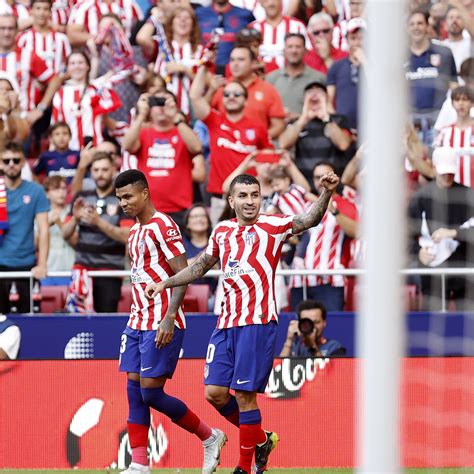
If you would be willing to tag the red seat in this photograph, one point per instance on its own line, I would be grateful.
(53, 298)
(191, 304)
(125, 299)
(201, 293)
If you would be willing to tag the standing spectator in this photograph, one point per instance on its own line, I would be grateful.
(50, 45)
(263, 101)
(339, 38)
(458, 41)
(37, 83)
(221, 14)
(431, 73)
(441, 214)
(85, 17)
(165, 148)
(60, 160)
(26, 205)
(460, 135)
(317, 135)
(325, 247)
(305, 336)
(61, 253)
(344, 75)
(274, 30)
(241, 348)
(233, 135)
(182, 34)
(81, 104)
(323, 53)
(291, 80)
(10, 337)
(101, 229)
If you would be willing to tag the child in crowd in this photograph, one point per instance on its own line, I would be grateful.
(59, 159)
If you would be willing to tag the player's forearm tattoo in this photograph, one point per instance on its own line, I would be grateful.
(177, 297)
(196, 270)
(313, 217)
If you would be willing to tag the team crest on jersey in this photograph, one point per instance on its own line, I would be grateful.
(141, 246)
(259, 96)
(250, 238)
(236, 134)
(26, 199)
(435, 60)
(250, 134)
(111, 209)
(174, 139)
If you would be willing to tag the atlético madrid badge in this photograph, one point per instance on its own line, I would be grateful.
(435, 60)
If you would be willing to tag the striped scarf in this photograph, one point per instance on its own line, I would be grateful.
(3, 209)
(79, 297)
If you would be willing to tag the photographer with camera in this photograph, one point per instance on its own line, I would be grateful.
(305, 336)
(168, 152)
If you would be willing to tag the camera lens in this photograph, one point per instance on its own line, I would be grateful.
(306, 326)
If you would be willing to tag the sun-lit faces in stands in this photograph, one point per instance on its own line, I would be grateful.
(78, 67)
(8, 31)
(241, 63)
(234, 97)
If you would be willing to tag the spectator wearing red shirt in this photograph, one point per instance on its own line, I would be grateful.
(233, 134)
(165, 146)
(323, 54)
(263, 104)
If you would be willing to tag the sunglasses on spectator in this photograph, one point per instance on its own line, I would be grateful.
(325, 31)
(233, 94)
(15, 161)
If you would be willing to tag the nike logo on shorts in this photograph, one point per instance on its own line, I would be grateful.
(143, 369)
(240, 382)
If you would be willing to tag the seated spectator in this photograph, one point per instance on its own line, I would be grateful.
(263, 102)
(61, 254)
(25, 206)
(233, 135)
(343, 75)
(168, 152)
(440, 217)
(289, 198)
(305, 336)
(317, 135)
(273, 30)
(101, 229)
(460, 135)
(10, 337)
(325, 247)
(182, 34)
(323, 53)
(291, 80)
(59, 160)
(431, 72)
(81, 104)
(447, 115)
(229, 20)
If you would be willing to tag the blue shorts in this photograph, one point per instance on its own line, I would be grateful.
(241, 357)
(139, 354)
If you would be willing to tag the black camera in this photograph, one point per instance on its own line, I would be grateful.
(156, 101)
(306, 326)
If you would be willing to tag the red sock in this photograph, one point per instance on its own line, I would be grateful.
(234, 418)
(191, 422)
(250, 435)
(138, 438)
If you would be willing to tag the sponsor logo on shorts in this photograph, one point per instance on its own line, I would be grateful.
(206, 371)
(241, 382)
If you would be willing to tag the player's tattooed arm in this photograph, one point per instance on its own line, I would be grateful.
(196, 270)
(313, 217)
(177, 264)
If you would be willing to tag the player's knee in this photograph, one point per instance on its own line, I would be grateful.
(216, 396)
(154, 397)
(246, 400)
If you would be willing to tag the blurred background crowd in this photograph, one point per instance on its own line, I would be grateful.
(193, 94)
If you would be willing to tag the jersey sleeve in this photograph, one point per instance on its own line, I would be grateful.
(39, 69)
(212, 246)
(169, 238)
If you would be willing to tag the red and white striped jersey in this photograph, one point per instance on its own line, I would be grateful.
(325, 247)
(61, 10)
(293, 202)
(18, 10)
(151, 246)
(179, 84)
(339, 36)
(273, 40)
(249, 256)
(89, 12)
(455, 137)
(53, 48)
(82, 108)
(30, 72)
(256, 7)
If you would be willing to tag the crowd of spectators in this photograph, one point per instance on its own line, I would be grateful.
(194, 93)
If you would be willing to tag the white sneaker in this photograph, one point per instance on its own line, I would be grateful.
(135, 468)
(212, 452)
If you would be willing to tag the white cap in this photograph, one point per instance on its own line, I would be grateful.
(445, 160)
(355, 24)
(11, 80)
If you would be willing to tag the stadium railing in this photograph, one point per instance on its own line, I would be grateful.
(350, 272)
